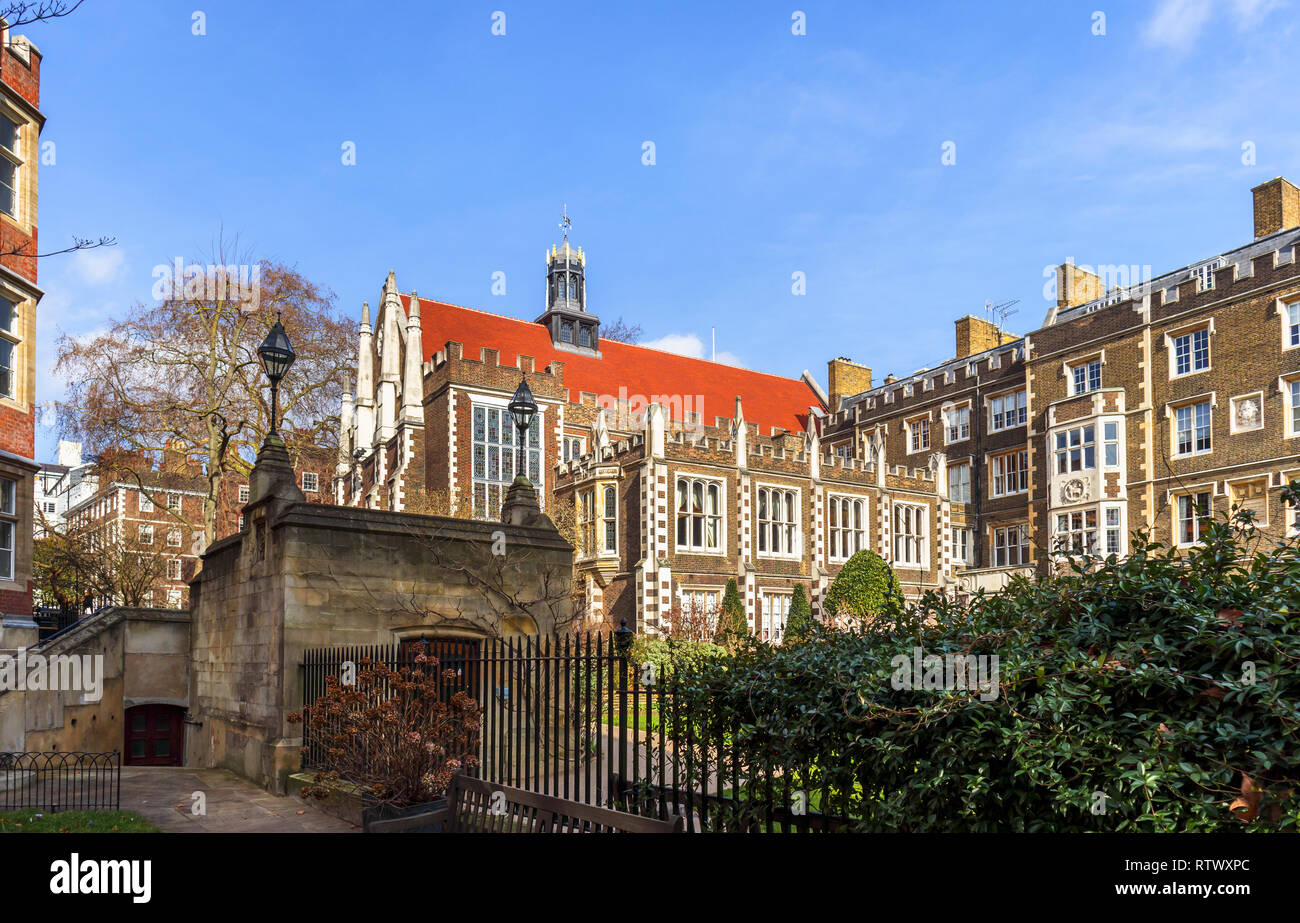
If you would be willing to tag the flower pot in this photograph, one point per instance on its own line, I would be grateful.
(374, 812)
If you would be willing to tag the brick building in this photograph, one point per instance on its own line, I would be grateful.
(1150, 404)
(20, 127)
(159, 508)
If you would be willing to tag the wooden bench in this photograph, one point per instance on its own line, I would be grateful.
(475, 806)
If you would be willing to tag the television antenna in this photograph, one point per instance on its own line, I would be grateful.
(998, 313)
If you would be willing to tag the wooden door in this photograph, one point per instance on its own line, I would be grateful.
(154, 735)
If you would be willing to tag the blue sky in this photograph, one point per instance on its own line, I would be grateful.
(774, 154)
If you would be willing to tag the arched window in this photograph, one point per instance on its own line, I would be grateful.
(566, 332)
(584, 336)
(573, 287)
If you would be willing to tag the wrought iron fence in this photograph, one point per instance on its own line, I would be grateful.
(50, 782)
(570, 716)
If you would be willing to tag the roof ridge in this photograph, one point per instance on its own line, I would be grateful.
(519, 320)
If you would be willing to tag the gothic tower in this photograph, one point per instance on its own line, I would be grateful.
(573, 328)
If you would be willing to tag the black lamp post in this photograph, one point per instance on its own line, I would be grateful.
(276, 355)
(522, 408)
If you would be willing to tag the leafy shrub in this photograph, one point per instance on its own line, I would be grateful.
(865, 589)
(393, 733)
(1154, 693)
(669, 656)
(733, 627)
(799, 623)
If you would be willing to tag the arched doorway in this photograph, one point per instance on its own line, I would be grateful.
(154, 735)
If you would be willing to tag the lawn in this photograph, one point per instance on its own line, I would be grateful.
(74, 822)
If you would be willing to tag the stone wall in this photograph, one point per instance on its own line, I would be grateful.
(145, 661)
(309, 575)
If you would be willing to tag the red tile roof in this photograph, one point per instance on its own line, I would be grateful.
(768, 400)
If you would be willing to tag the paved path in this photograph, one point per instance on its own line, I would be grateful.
(163, 795)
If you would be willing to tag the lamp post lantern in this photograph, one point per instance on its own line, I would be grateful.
(522, 408)
(277, 355)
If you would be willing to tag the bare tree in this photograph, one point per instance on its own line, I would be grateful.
(17, 14)
(621, 332)
(183, 376)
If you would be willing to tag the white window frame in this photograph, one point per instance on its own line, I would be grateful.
(1175, 430)
(145, 534)
(1000, 473)
(609, 520)
(1071, 452)
(1076, 531)
(957, 424)
(1289, 385)
(14, 156)
(8, 528)
(708, 598)
(145, 502)
(964, 482)
(1112, 529)
(1086, 366)
(1002, 545)
(1197, 521)
(960, 544)
(769, 532)
(774, 605)
(243, 493)
(9, 335)
(918, 435)
(841, 537)
(315, 482)
(174, 534)
(175, 569)
(1018, 412)
(689, 515)
(911, 548)
(1286, 309)
(1188, 331)
(1109, 442)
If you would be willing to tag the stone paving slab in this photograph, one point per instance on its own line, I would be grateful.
(162, 795)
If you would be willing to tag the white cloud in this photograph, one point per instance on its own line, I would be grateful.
(99, 266)
(688, 344)
(1177, 24)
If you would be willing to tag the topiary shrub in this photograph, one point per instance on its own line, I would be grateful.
(865, 589)
(733, 627)
(799, 623)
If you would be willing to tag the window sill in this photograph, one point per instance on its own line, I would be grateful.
(1176, 376)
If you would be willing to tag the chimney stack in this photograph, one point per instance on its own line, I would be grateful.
(975, 334)
(846, 378)
(1277, 206)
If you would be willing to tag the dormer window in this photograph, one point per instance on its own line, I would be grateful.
(566, 332)
(584, 336)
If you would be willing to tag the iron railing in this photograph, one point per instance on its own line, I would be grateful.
(570, 716)
(50, 782)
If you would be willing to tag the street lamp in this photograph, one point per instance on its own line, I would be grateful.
(522, 408)
(276, 355)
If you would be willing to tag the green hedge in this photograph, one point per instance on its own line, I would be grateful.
(1163, 687)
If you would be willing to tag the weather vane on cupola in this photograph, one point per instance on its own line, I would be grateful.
(566, 223)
